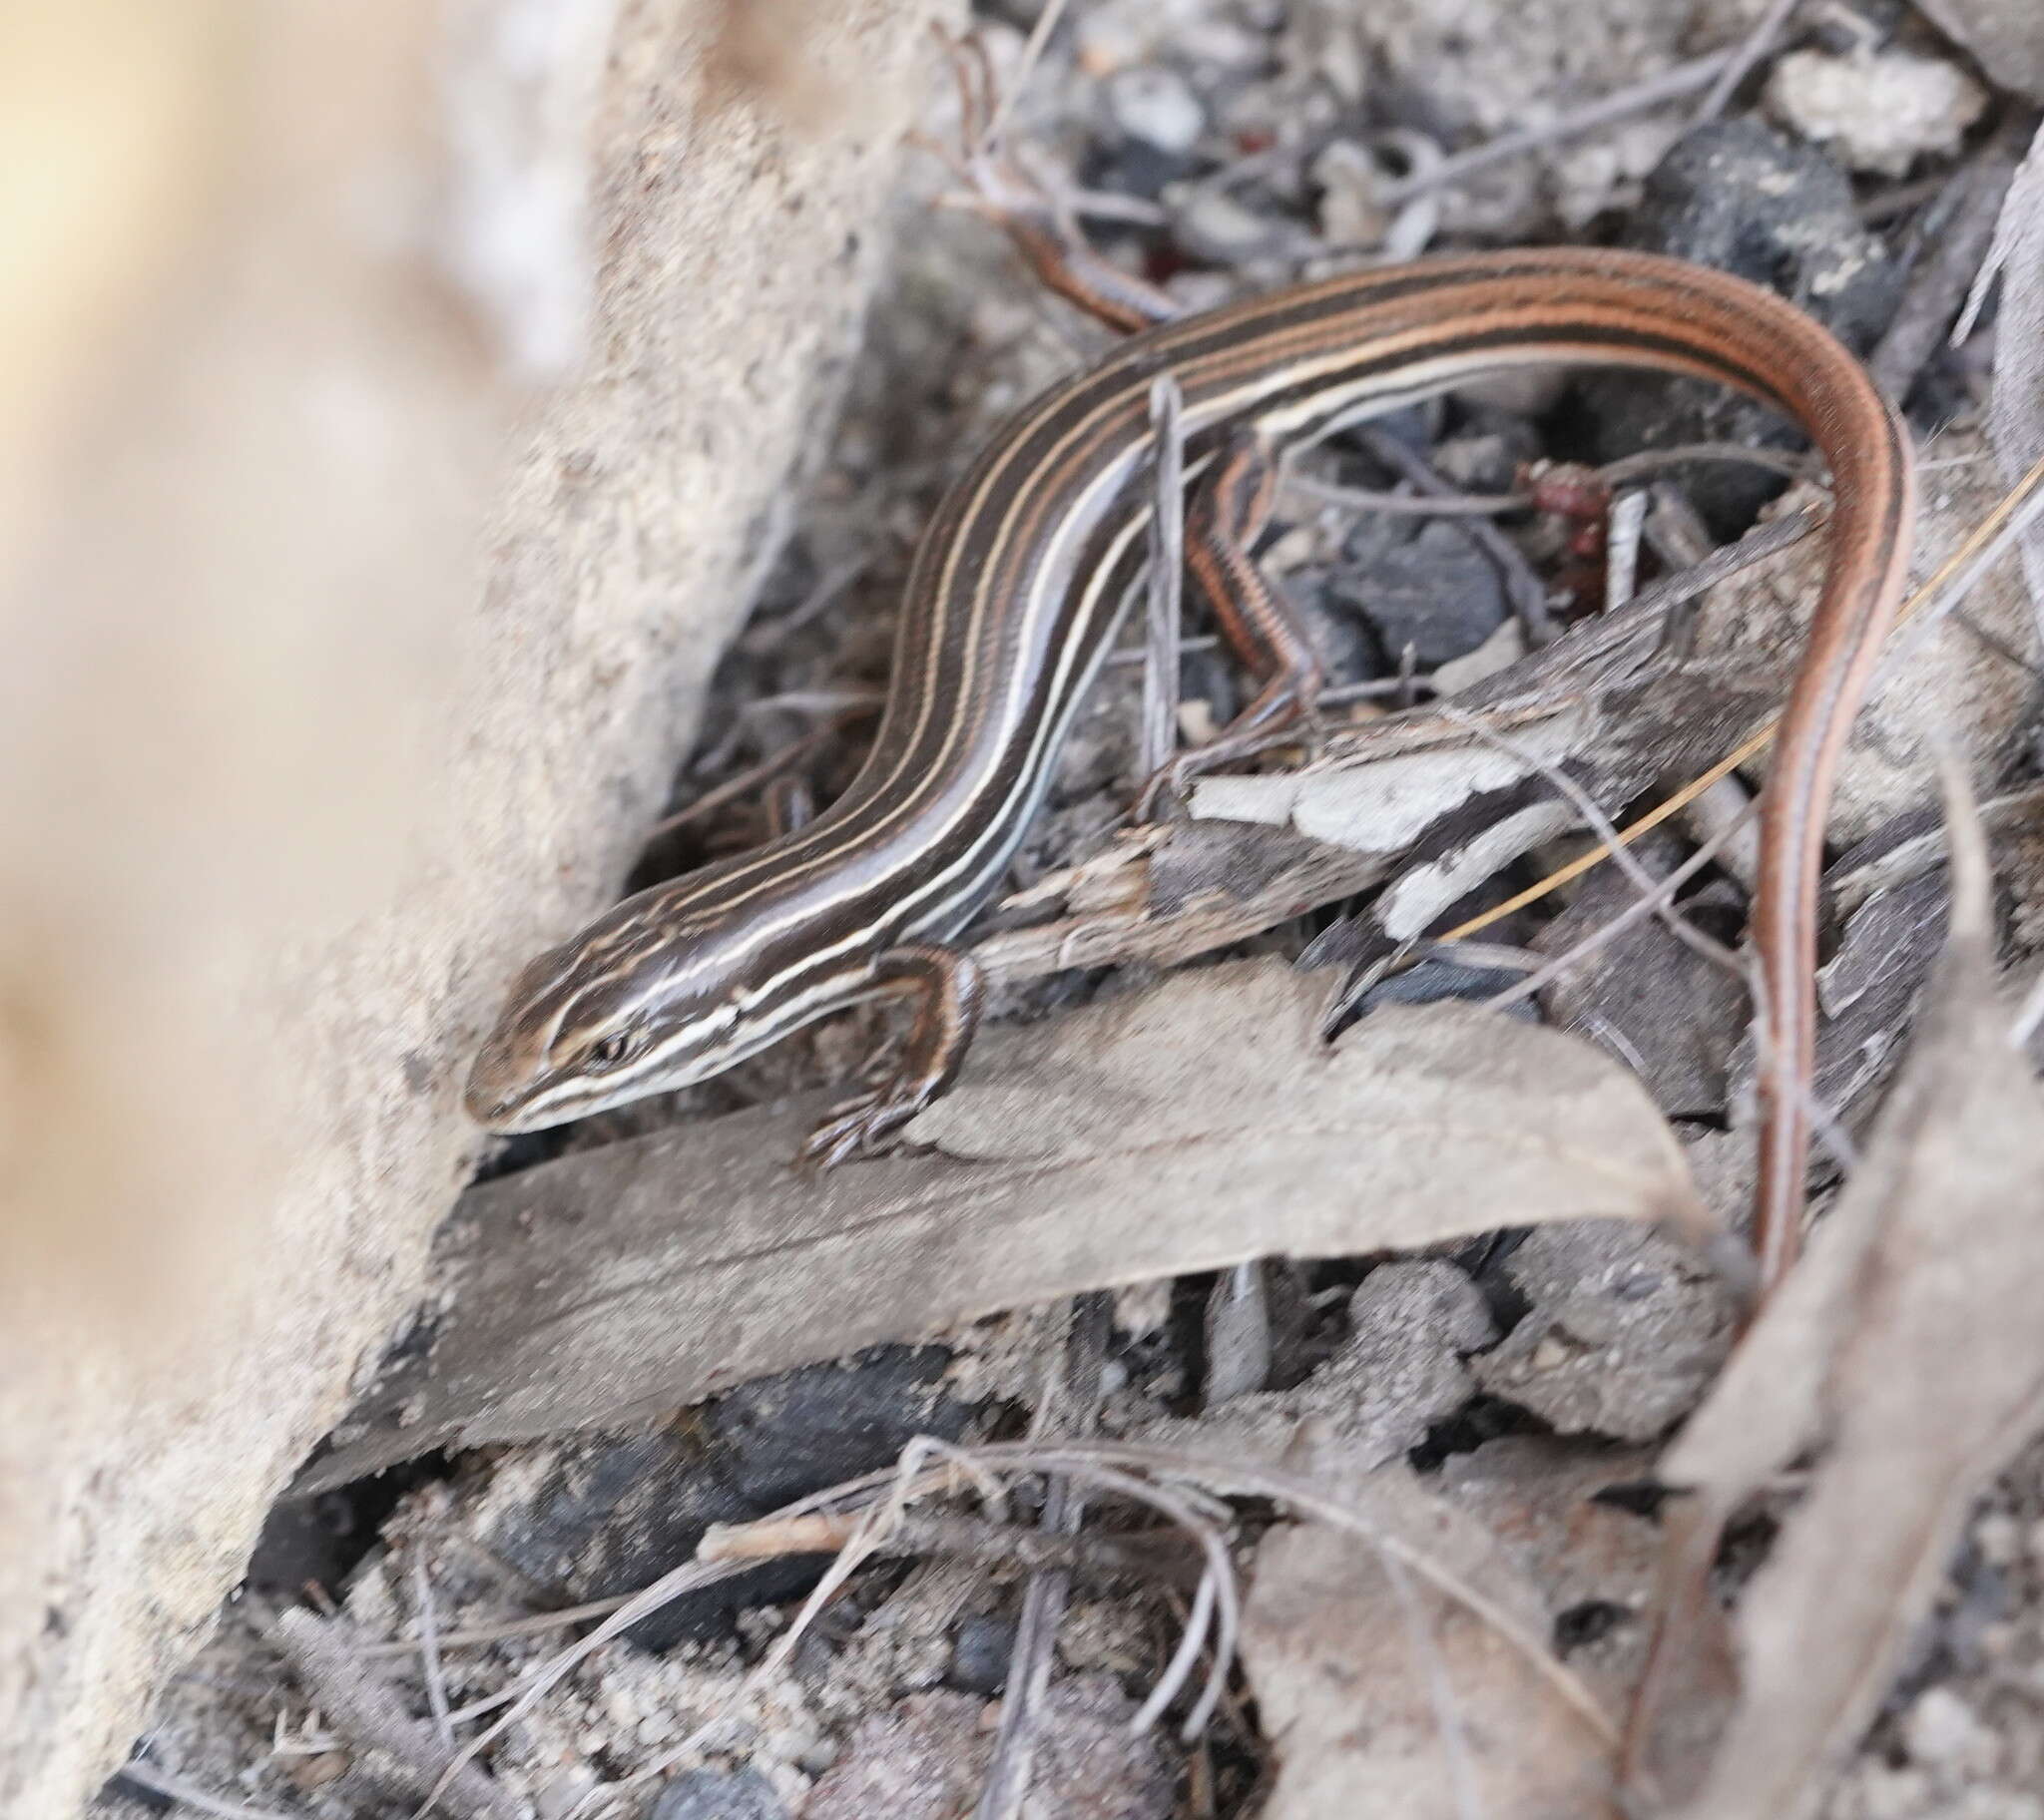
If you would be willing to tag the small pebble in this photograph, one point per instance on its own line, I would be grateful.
(1158, 107)
(1876, 112)
(981, 1653)
(1941, 1729)
(1350, 213)
(563, 1792)
(1212, 224)
(1999, 1538)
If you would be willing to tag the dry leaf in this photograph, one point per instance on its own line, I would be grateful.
(1369, 1679)
(1189, 1127)
(1909, 1339)
(2016, 416)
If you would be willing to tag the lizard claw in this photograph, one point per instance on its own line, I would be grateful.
(859, 1126)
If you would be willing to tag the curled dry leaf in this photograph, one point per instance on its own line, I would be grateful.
(1907, 1340)
(1189, 1127)
(1367, 1678)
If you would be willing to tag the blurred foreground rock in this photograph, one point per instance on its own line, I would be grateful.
(392, 403)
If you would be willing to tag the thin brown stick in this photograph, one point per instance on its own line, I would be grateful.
(479, 1636)
(754, 778)
(1649, 903)
(1032, 54)
(1899, 201)
(1648, 462)
(1663, 595)
(1407, 505)
(1140, 653)
(966, 1539)
(1992, 539)
(1242, 1479)
(1599, 824)
(765, 636)
(1111, 1466)
(1375, 688)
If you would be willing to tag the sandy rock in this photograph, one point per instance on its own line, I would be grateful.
(293, 784)
(1877, 111)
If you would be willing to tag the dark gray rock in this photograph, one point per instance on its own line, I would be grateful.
(1436, 592)
(608, 1515)
(1428, 982)
(980, 1653)
(1734, 194)
(718, 1794)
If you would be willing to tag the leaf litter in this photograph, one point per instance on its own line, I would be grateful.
(1442, 1538)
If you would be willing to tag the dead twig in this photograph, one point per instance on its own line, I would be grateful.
(480, 1636)
(966, 1539)
(1983, 547)
(1406, 505)
(1747, 52)
(1601, 824)
(756, 777)
(1166, 590)
(1650, 903)
(2020, 507)
(370, 1711)
(146, 1776)
(1032, 54)
(759, 640)
(1122, 1469)
(1049, 1588)
(1648, 462)
(1670, 85)
(429, 1652)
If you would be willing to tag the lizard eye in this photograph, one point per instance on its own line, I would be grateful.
(613, 1049)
